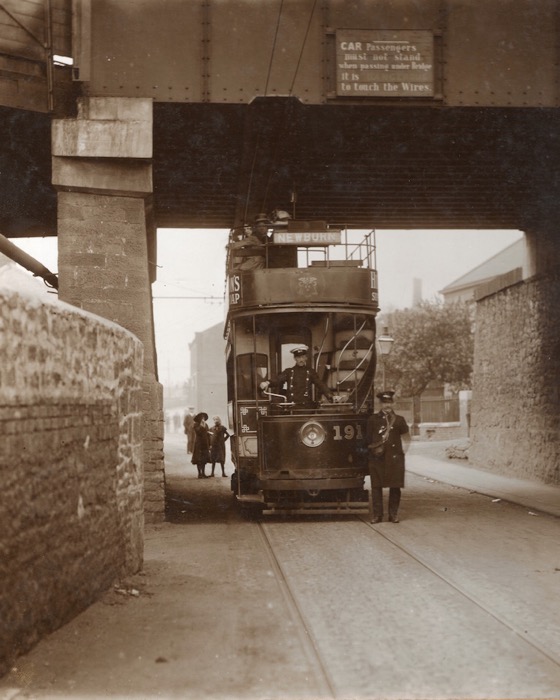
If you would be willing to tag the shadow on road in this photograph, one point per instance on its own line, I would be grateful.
(189, 502)
(189, 499)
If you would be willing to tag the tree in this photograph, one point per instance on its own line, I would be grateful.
(433, 342)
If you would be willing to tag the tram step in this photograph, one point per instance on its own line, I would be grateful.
(249, 498)
(326, 507)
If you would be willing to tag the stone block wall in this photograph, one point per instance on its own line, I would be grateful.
(104, 267)
(102, 171)
(515, 420)
(71, 476)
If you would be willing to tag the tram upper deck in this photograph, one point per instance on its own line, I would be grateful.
(301, 263)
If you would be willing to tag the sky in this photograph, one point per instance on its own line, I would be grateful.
(192, 264)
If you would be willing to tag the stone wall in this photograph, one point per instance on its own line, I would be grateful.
(515, 424)
(71, 482)
(104, 268)
(102, 170)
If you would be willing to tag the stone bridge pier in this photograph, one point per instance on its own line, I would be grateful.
(102, 171)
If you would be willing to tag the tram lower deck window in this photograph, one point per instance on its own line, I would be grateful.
(252, 369)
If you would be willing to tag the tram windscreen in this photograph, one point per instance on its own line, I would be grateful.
(251, 370)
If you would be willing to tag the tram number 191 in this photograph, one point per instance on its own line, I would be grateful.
(347, 432)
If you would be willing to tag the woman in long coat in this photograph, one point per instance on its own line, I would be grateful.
(219, 435)
(201, 447)
(388, 440)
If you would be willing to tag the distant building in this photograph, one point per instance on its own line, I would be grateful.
(416, 291)
(508, 260)
(208, 372)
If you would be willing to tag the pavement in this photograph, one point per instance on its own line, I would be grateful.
(173, 630)
(536, 496)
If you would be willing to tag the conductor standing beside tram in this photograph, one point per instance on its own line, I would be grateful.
(299, 380)
(388, 440)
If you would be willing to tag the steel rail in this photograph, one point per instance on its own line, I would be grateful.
(519, 631)
(300, 622)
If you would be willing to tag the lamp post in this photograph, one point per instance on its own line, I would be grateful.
(385, 345)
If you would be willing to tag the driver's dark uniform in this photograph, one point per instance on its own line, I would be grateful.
(299, 381)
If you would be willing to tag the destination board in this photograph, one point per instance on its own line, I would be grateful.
(383, 63)
(307, 238)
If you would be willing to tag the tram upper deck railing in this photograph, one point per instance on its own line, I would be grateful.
(303, 262)
(300, 244)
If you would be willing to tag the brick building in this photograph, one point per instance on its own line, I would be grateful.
(208, 372)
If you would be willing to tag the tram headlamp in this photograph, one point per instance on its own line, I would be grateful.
(312, 434)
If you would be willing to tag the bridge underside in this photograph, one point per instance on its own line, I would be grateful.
(366, 166)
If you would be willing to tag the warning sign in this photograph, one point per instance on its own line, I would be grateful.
(382, 63)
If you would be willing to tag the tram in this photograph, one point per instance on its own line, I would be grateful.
(295, 283)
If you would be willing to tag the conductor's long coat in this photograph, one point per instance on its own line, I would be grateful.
(386, 461)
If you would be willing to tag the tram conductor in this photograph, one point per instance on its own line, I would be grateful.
(299, 381)
(388, 441)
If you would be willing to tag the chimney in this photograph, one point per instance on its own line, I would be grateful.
(416, 291)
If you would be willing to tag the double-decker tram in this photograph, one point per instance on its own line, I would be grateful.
(300, 353)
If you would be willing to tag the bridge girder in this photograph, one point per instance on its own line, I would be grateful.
(250, 113)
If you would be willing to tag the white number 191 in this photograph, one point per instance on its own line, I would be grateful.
(350, 432)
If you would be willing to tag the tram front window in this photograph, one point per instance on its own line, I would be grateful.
(251, 370)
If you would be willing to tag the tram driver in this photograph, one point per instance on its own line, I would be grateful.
(299, 380)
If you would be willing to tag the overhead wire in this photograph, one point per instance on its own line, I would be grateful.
(281, 132)
(308, 28)
(289, 108)
(251, 175)
(285, 121)
(257, 144)
(273, 47)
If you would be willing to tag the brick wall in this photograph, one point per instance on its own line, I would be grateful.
(71, 482)
(515, 424)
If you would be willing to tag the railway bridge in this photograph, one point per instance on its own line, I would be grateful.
(121, 117)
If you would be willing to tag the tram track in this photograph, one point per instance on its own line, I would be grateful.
(305, 634)
(525, 636)
(448, 638)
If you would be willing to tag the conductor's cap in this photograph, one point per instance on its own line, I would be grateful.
(299, 351)
(386, 395)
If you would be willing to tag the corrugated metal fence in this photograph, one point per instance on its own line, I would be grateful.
(432, 410)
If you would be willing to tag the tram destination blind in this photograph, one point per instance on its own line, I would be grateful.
(372, 63)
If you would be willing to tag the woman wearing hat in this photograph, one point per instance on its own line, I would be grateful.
(388, 440)
(201, 448)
